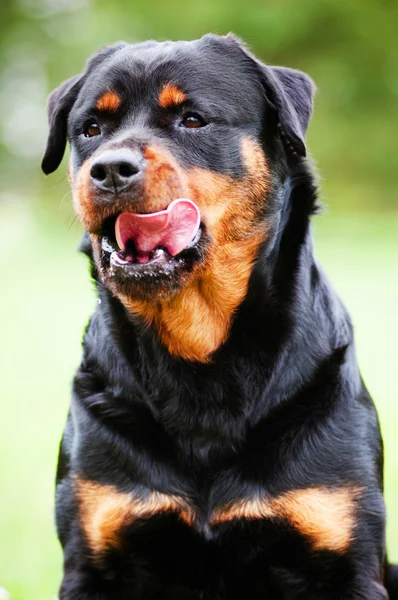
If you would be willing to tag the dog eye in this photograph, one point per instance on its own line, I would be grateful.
(193, 121)
(91, 128)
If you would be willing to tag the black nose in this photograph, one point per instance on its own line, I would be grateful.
(115, 170)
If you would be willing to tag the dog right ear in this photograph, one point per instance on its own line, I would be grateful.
(59, 105)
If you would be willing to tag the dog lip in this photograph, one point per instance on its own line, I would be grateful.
(160, 259)
(109, 244)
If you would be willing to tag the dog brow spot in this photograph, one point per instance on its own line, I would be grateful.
(104, 511)
(110, 102)
(325, 517)
(170, 96)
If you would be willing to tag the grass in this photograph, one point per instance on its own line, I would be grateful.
(46, 299)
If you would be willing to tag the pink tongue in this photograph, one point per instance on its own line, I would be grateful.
(173, 228)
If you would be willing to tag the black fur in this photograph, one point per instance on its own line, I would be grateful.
(280, 407)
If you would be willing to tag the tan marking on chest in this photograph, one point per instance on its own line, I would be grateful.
(196, 321)
(171, 96)
(325, 516)
(110, 102)
(104, 511)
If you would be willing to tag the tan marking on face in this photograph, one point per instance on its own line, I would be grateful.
(326, 517)
(90, 212)
(108, 102)
(230, 208)
(164, 180)
(82, 198)
(104, 511)
(171, 96)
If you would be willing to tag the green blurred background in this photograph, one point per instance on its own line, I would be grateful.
(349, 48)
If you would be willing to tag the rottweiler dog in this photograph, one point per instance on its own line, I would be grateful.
(220, 442)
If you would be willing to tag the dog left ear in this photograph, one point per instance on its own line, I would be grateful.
(59, 105)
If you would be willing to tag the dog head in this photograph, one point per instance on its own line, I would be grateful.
(173, 154)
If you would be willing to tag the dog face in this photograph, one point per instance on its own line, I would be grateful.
(168, 165)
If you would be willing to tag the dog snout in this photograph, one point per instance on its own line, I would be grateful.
(116, 170)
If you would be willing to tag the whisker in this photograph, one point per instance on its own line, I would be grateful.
(73, 222)
(64, 196)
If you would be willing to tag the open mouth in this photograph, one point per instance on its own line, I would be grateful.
(152, 243)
